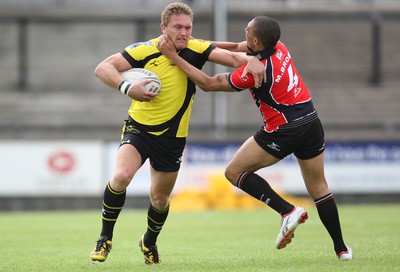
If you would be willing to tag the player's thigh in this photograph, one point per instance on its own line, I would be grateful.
(127, 163)
(313, 174)
(250, 157)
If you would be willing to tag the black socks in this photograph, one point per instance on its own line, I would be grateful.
(259, 188)
(113, 203)
(155, 222)
(328, 213)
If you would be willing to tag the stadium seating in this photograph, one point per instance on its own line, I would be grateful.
(64, 99)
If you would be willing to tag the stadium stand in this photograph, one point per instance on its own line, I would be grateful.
(57, 96)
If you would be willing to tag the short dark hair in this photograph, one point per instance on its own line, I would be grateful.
(267, 30)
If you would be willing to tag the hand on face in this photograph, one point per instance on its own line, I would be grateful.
(166, 46)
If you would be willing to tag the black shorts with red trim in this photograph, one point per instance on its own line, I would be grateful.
(305, 141)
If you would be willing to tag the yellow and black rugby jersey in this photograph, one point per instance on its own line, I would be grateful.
(169, 112)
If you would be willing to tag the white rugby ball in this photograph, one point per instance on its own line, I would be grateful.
(137, 74)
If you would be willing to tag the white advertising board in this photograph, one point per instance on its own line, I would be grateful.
(349, 167)
(51, 168)
(82, 168)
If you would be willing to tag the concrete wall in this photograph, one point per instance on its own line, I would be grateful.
(63, 99)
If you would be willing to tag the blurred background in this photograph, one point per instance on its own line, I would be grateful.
(60, 126)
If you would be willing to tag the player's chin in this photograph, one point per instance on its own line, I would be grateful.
(181, 45)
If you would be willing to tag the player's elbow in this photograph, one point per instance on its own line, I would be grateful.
(211, 87)
(98, 70)
(205, 87)
(103, 68)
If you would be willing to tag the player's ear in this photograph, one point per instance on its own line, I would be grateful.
(163, 28)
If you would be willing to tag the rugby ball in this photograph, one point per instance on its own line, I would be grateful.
(137, 74)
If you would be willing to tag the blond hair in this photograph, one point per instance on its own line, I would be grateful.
(175, 8)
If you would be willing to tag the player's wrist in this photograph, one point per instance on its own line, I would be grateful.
(124, 86)
(174, 58)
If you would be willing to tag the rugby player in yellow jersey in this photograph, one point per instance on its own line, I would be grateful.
(157, 124)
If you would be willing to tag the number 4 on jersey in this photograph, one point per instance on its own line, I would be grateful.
(293, 78)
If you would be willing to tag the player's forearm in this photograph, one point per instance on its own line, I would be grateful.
(108, 74)
(108, 71)
(228, 58)
(232, 46)
(240, 59)
(208, 84)
(197, 76)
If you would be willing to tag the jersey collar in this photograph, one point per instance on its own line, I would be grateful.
(263, 54)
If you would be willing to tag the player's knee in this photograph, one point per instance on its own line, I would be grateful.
(159, 201)
(231, 175)
(318, 191)
(122, 178)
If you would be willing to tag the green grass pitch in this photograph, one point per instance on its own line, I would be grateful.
(239, 240)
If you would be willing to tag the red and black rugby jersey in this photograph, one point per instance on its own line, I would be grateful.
(283, 99)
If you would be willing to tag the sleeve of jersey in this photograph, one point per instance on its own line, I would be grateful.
(128, 53)
(207, 52)
(239, 83)
(202, 47)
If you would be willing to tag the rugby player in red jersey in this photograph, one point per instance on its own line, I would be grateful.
(291, 125)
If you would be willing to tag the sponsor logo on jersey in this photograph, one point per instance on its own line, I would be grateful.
(278, 54)
(149, 43)
(244, 78)
(154, 63)
(135, 45)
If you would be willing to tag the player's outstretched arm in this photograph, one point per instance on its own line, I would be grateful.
(232, 46)
(218, 82)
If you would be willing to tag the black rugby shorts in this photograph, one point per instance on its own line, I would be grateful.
(305, 142)
(164, 153)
